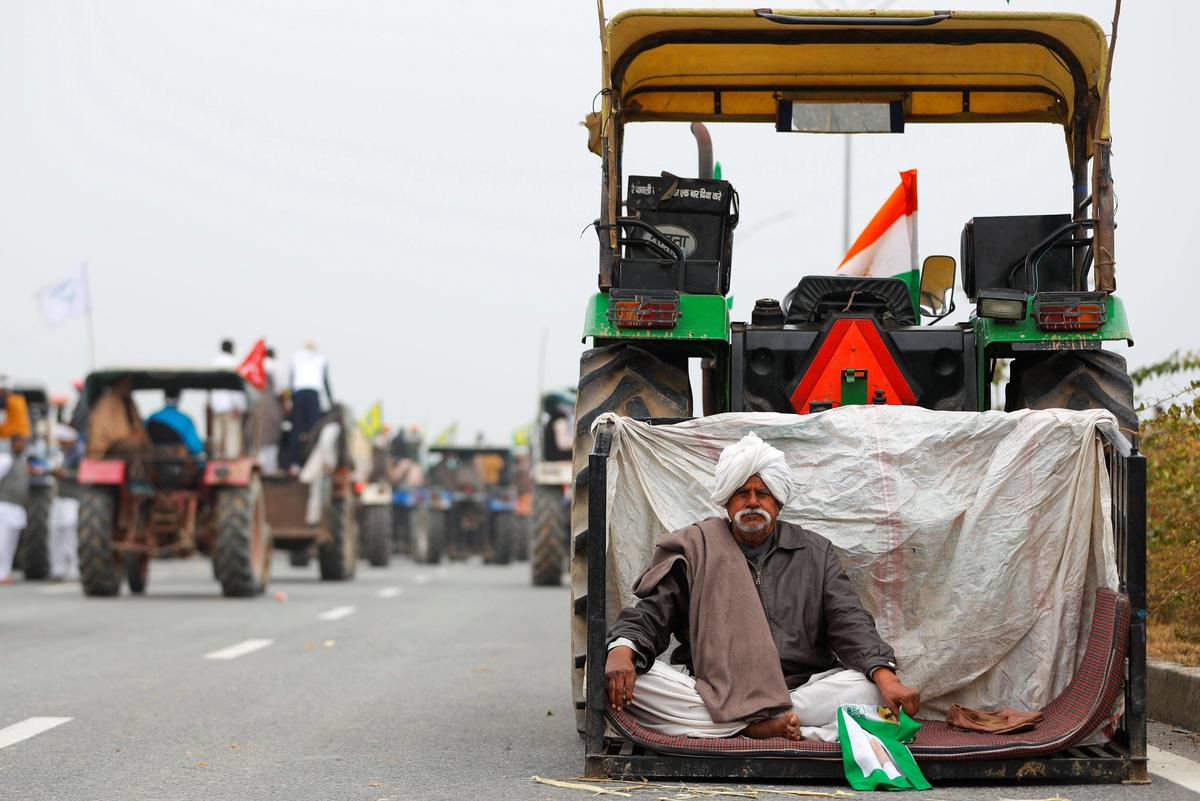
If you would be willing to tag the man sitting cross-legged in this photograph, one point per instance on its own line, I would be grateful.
(771, 630)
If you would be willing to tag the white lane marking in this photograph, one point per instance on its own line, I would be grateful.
(29, 727)
(241, 649)
(389, 592)
(421, 578)
(60, 589)
(336, 613)
(1172, 767)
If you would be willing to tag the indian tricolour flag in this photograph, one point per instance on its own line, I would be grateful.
(887, 247)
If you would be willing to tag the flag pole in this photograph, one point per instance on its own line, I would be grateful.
(91, 329)
(846, 197)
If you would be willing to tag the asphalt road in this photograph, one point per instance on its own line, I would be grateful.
(408, 683)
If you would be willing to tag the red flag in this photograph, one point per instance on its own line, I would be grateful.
(252, 368)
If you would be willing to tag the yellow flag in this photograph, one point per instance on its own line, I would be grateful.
(372, 422)
(447, 436)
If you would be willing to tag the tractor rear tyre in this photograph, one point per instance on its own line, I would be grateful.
(1074, 379)
(549, 537)
(137, 571)
(521, 526)
(377, 535)
(33, 554)
(99, 569)
(631, 381)
(339, 555)
(242, 558)
(300, 557)
(502, 536)
(429, 536)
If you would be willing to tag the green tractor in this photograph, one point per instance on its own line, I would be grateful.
(1041, 283)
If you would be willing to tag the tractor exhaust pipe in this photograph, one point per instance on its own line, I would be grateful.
(703, 150)
(708, 366)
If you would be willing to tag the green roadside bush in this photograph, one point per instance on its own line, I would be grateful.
(1171, 442)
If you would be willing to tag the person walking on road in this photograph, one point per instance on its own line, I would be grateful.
(14, 494)
(227, 407)
(64, 510)
(309, 378)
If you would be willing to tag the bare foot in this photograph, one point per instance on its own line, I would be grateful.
(786, 725)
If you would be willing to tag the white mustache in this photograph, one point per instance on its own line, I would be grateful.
(751, 528)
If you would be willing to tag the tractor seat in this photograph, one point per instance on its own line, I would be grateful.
(818, 297)
(162, 434)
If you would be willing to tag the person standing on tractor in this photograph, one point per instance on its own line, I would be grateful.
(14, 494)
(264, 431)
(227, 408)
(775, 636)
(309, 377)
(179, 422)
(14, 412)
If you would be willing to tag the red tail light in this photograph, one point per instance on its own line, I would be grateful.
(643, 308)
(1070, 311)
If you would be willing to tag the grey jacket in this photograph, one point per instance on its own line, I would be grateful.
(815, 616)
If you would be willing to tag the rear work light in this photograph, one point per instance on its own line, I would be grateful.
(1001, 304)
(643, 308)
(1070, 311)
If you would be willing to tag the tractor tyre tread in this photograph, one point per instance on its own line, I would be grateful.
(98, 571)
(34, 550)
(1074, 379)
(338, 557)
(233, 522)
(549, 538)
(377, 535)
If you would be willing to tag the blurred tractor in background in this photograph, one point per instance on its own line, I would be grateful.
(167, 500)
(472, 505)
(553, 477)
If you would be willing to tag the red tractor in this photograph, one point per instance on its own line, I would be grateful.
(170, 499)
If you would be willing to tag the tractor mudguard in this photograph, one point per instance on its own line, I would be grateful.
(701, 317)
(229, 472)
(102, 471)
(1003, 338)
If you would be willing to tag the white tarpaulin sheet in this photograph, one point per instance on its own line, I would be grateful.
(977, 540)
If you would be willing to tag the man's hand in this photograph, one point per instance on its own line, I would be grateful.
(895, 694)
(619, 677)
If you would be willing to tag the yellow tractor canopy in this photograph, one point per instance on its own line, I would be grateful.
(735, 65)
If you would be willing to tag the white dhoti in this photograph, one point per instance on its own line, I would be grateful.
(64, 538)
(321, 462)
(227, 435)
(268, 458)
(12, 521)
(666, 700)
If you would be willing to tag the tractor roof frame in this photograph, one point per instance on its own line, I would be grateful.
(718, 65)
(163, 378)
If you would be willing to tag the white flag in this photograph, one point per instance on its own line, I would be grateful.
(67, 298)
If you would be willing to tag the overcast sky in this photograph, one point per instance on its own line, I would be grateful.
(406, 184)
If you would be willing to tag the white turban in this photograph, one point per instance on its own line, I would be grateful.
(748, 457)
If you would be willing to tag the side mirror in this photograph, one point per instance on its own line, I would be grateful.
(937, 286)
